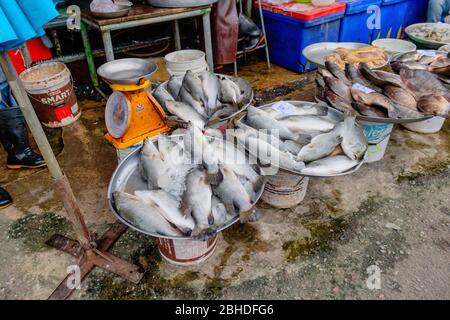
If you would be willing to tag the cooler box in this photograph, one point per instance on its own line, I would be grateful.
(393, 19)
(417, 12)
(289, 32)
(354, 26)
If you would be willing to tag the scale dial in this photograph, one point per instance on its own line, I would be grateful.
(117, 114)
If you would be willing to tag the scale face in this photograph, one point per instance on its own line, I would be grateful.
(117, 114)
(132, 114)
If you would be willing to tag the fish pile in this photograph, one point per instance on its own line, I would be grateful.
(375, 57)
(201, 99)
(374, 93)
(303, 138)
(435, 62)
(432, 32)
(196, 184)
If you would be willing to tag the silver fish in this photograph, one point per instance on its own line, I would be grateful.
(321, 145)
(330, 165)
(143, 215)
(174, 85)
(186, 97)
(294, 110)
(168, 208)
(259, 119)
(233, 194)
(178, 165)
(219, 211)
(307, 124)
(211, 88)
(337, 72)
(267, 153)
(162, 95)
(151, 164)
(230, 92)
(197, 200)
(354, 142)
(186, 112)
(193, 85)
(224, 111)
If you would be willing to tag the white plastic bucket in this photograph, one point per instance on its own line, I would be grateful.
(378, 135)
(186, 252)
(285, 190)
(50, 88)
(178, 62)
(432, 125)
(123, 153)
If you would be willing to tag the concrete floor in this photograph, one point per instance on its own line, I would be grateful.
(393, 214)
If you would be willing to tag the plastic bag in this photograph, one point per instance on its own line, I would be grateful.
(103, 6)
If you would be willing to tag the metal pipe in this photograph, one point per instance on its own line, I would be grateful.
(176, 35)
(208, 43)
(107, 43)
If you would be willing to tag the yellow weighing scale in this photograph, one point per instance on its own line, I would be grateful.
(132, 113)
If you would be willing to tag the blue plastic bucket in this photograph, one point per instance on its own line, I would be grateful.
(393, 19)
(288, 36)
(354, 27)
(417, 12)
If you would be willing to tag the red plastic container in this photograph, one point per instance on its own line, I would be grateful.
(37, 50)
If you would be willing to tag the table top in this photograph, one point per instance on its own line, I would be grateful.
(138, 12)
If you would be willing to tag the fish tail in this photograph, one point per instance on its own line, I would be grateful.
(204, 234)
(322, 109)
(251, 215)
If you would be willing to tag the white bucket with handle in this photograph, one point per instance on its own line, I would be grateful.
(178, 62)
(285, 190)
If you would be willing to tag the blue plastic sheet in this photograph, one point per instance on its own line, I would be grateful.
(22, 20)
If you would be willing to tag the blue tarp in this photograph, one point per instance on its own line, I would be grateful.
(22, 20)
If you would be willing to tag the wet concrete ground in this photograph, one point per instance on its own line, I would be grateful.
(392, 216)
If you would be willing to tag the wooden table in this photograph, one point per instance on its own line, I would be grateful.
(142, 15)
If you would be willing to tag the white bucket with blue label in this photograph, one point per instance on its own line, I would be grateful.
(378, 135)
(123, 153)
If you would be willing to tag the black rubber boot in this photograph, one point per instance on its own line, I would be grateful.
(5, 198)
(248, 28)
(14, 137)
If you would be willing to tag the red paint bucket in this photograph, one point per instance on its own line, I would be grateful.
(186, 252)
(50, 88)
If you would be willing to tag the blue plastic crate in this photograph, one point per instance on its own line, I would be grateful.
(288, 36)
(393, 19)
(417, 12)
(354, 26)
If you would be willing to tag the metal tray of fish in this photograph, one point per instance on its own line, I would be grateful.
(127, 178)
(316, 53)
(241, 121)
(424, 41)
(246, 90)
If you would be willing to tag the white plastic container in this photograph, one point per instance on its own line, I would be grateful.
(378, 135)
(432, 125)
(186, 252)
(178, 62)
(285, 190)
(123, 153)
(395, 46)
